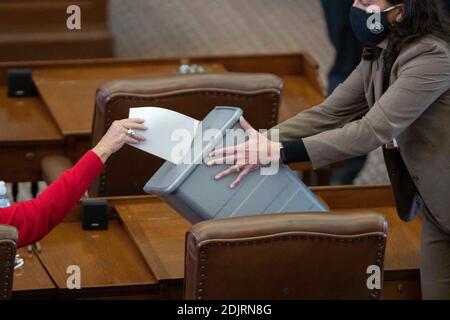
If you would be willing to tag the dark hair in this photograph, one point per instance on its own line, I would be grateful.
(422, 17)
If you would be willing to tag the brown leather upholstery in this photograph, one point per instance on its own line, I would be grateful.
(53, 166)
(194, 95)
(8, 239)
(285, 256)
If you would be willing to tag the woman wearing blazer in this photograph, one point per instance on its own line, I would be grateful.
(401, 88)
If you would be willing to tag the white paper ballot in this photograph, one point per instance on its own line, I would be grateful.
(169, 134)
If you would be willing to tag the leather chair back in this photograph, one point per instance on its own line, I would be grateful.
(196, 95)
(8, 240)
(285, 256)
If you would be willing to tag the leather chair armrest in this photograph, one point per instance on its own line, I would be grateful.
(8, 233)
(53, 166)
(8, 242)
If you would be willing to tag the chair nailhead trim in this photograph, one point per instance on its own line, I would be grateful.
(116, 99)
(203, 259)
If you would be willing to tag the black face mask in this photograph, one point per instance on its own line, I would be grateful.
(367, 30)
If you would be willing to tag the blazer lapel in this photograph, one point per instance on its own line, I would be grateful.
(374, 81)
(377, 78)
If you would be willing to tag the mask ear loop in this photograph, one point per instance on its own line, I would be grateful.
(385, 10)
(390, 9)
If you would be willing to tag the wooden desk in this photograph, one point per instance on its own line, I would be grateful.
(110, 264)
(62, 114)
(69, 92)
(27, 133)
(159, 233)
(298, 96)
(143, 256)
(32, 279)
(23, 118)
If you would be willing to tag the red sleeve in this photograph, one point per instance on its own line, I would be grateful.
(37, 217)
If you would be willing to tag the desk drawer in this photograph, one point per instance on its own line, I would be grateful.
(402, 290)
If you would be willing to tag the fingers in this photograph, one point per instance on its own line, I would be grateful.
(135, 139)
(137, 120)
(246, 126)
(240, 176)
(138, 137)
(131, 140)
(232, 170)
(137, 124)
(125, 138)
(225, 173)
(226, 150)
(231, 159)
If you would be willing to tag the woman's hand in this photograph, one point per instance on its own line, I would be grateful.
(257, 151)
(117, 136)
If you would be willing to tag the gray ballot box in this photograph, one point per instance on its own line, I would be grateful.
(190, 187)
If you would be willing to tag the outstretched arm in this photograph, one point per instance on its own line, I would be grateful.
(37, 217)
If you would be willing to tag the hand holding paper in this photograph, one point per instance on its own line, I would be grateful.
(165, 127)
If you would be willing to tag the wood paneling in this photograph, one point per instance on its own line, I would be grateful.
(344, 197)
(36, 30)
(49, 15)
(403, 289)
(23, 163)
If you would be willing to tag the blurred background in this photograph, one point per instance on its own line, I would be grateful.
(163, 28)
(160, 28)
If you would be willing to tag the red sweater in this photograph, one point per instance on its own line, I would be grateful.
(37, 217)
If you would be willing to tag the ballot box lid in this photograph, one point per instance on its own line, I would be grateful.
(211, 131)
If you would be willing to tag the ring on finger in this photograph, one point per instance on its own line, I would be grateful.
(131, 133)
